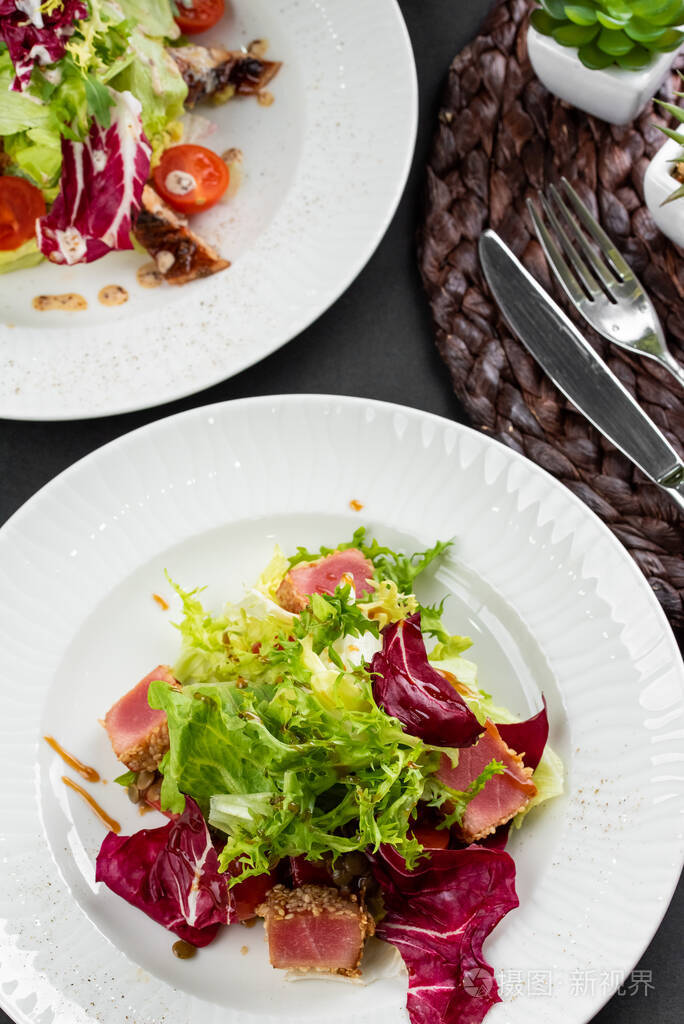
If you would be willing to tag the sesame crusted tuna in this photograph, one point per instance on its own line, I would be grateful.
(139, 735)
(502, 796)
(315, 928)
(323, 577)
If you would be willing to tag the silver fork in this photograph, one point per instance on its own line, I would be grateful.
(604, 290)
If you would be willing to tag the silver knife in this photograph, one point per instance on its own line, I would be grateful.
(571, 363)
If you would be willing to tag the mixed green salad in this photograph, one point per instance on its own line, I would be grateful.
(295, 750)
(92, 96)
(330, 752)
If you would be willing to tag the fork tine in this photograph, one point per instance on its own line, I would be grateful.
(596, 231)
(599, 269)
(553, 255)
(582, 271)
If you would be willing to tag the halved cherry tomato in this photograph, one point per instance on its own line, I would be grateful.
(191, 178)
(198, 15)
(431, 838)
(21, 203)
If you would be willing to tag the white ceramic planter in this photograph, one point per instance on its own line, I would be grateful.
(658, 185)
(614, 95)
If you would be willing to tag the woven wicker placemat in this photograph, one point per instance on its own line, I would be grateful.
(501, 136)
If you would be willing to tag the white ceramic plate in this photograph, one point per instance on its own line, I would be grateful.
(325, 167)
(551, 599)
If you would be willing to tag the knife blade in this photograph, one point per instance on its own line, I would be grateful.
(571, 363)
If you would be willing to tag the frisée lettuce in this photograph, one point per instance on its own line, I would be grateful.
(280, 739)
(294, 744)
(319, 757)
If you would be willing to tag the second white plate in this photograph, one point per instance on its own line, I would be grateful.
(325, 167)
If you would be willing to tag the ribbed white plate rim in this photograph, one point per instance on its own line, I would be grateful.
(346, 406)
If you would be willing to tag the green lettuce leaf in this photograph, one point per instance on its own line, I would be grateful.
(18, 110)
(387, 604)
(283, 775)
(27, 255)
(153, 17)
(37, 154)
(327, 618)
(30, 131)
(549, 778)
(447, 658)
(153, 77)
(273, 575)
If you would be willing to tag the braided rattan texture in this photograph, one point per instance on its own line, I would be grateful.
(501, 136)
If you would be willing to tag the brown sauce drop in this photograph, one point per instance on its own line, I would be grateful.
(84, 770)
(249, 923)
(244, 950)
(183, 950)
(265, 98)
(70, 301)
(148, 276)
(112, 295)
(108, 822)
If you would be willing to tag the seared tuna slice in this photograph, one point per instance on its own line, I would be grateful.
(323, 577)
(138, 733)
(210, 70)
(502, 796)
(180, 254)
(314, 928)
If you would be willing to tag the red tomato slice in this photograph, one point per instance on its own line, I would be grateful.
(191, 178)
(431, 838)
(198, 15)
(21, 203)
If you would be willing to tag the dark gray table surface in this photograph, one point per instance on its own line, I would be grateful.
(374, 342)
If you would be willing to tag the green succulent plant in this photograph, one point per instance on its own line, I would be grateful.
(678, 136)
(626, 33)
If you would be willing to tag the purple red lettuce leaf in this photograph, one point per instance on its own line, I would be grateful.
(100, 189)
(171, 874)
(438, 916)
(407, 686)
(34, 36)
(527, 738)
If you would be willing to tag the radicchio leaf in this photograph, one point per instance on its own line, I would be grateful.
(407, 686)
(34, 36)
(438, 916)
(528, 738)
(171, 874)
(100, 190)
